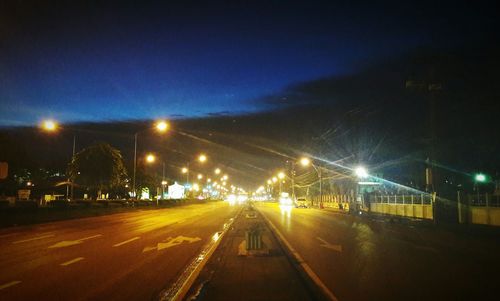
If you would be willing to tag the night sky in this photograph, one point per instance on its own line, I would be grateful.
(121, 61)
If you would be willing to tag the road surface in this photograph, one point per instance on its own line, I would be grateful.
(126, 256)
(362, 259)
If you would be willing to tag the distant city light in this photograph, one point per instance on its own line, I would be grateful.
(217, 171)
(184, 170)
(202, 158)
(281, 175)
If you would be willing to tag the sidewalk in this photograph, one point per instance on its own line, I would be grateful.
(265, 275)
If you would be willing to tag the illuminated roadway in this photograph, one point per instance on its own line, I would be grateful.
(363, 259)
(126, 256)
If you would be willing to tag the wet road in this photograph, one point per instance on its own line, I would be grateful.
(126, 256)
(362, 259)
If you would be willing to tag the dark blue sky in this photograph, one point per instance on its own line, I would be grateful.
(100, 62)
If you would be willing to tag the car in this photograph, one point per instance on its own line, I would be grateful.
(301, 203)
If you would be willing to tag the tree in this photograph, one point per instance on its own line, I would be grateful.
(99, 167)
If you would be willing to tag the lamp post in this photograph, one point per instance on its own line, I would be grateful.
(161, 126)
(281, 176)
(51, 126)
(306, 162)
(202, 158)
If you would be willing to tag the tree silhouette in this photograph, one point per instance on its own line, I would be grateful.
(99, 167)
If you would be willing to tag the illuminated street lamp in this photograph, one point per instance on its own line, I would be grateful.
(161, 126)
(150, 158)
(361, 172)
(217, 171)
(49, 125)
(202, 158)
(274, 179)
(225, 177)
(200, 176)
(209, 180)
(184, 170)
(480, 178)
(281, 175)
(305, 161)
(269, 182)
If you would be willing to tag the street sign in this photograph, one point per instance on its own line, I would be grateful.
(4, 170)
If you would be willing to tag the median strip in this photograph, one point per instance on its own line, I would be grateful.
(180, 288)
(72, 261)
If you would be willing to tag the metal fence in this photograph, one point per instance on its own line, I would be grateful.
(407, 205)
(484, 200)
(422, 199)
(481, 209)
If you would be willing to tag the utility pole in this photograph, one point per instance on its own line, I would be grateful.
(320, 188)
(72, 158)
(135, 165)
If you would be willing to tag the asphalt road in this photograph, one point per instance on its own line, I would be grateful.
(126, 256)
(363, 259)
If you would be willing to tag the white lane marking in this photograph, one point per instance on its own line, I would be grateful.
(9, 284)
(67, 243)
(126, 242)
(301, 261)
(72, 261)
(171, 243)
(328, 245)
(34, 238)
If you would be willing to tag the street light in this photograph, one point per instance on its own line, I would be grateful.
(150, 158)
(305, 161)
(217, 171)
(161, 126)
(281, 175)
(202, 158)
(480, 178)
(200, 176)
(361, 172)
(274, 179)
(49, 125)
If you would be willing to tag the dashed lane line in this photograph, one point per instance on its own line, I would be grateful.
(126, 242)
(9, 284)
(34, 238)
(72, 261)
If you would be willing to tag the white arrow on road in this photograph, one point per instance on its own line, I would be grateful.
(328, 245)
(67, 243)
(171, 242)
